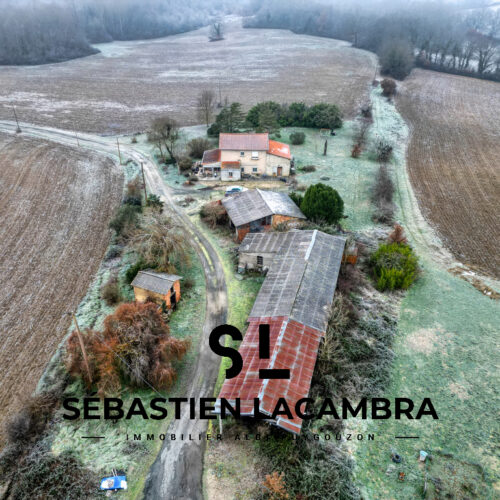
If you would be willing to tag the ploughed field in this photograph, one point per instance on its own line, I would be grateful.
(55, 203)
(121, 89)
(454, 160)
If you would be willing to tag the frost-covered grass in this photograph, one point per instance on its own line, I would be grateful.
(115, 451)
(446, 350)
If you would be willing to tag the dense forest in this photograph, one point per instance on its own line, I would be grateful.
(36, 33)
(436, 35)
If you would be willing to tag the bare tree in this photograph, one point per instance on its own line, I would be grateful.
(216, 32)
(165, 133)
(206, 105)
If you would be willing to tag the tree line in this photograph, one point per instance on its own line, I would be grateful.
(436, 35)
(45, 33)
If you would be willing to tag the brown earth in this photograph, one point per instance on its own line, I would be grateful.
(454, 161)
(122, 88)
(55, 203)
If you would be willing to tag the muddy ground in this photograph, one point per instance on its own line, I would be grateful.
(55, 203)
(122, 88)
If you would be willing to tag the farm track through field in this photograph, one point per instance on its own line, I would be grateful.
(454, 161)
(179, 466)
(55, 204)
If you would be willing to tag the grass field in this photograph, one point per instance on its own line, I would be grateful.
(55, 202)
(121, 89)
(446, 347)
(453, 157)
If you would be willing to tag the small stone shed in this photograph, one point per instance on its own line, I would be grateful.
(256, 211)
(159, 287)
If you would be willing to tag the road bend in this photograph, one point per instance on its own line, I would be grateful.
(177, 471)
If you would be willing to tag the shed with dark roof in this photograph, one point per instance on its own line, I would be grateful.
(159, 287)
(256, 210)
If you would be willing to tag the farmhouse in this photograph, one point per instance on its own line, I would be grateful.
(255, 210)
(294, 301)
(247, 154)
(162, 288)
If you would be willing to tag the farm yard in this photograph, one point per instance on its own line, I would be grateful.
(453, 160)
(55, 202)
(129, 83)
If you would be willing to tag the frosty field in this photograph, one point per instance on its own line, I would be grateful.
(55, 203)
(124, 87)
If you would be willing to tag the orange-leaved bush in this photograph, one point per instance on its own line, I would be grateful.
(134, 348)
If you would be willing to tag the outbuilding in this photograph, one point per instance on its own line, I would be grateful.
(162, 288)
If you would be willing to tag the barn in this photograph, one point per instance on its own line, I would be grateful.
(162, 288)
(255, 211)
(294, 302)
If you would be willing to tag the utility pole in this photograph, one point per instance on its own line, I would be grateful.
(144, 183)
(119, 154)
(77, 141)
(326, 147)
(84, 352)
(18, 129)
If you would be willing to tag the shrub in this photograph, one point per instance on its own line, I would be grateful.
(133, 140)
(384, 151)
(125, 219)
(323, 116)
(322, 203)
(356, 151)
(398, 235)
(388, 87)
(214, 214)
(113, 252)
(297, 138)
(296, 197)
(196, 147)
(396, 59)
(308, 168)
(275, 486)
(132, 270)
(147, 351)
(184, 163)
(132, 201)
(134, 188)
(110, 292)
(382, 195)
(394, 266)
(154, 202)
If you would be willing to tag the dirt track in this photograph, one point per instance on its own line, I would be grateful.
(121, 89)
(55, 204)
(454, 160)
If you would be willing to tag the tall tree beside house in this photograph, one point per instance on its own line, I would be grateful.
(165, 134)
(206, 106)
(268, 121)
(322, 203)
(230, 119)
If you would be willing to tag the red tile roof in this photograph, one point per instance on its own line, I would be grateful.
(230, 164)
(279, 149)
(244, 142)
(293, 346)
(211, 156)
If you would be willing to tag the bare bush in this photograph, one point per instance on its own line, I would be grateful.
(214, 214)
(382, 196)
(196, 147)
(388, 87)
(110, 291)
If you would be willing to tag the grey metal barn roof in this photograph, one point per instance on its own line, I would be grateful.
(256, 204)
(155, 282)
(302, 278)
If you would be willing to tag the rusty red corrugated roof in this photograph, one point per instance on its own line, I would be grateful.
(211, 156)
(244, 142)
(293, 346)
(230, 164)
(279, 149)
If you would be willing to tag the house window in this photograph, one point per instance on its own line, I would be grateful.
(254, 169)
(255, 155)
(260, 260)
(230, 174)
(242, 153)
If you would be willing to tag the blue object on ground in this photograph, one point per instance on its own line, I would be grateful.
(114, 483)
